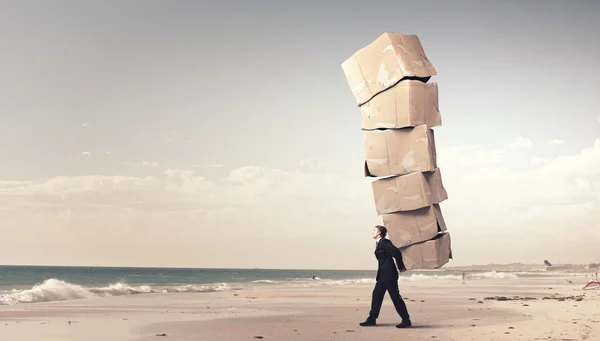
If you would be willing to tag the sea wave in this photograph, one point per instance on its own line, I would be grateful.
(266, 281)
(349, 281)
(422, 277)
(57, 290)
(492, 275)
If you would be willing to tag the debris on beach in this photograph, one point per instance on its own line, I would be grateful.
(160, 334)
(258, 337)
(514, 298)
(577, 298)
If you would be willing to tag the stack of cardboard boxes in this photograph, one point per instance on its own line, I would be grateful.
(389, 79)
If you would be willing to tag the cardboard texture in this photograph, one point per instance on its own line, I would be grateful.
(429, 255)
(399, 151)
(411, 227)
(383, 63)
(389, 80)
(406, 104)
(408, 192)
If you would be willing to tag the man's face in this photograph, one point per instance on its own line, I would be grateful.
(376, 233)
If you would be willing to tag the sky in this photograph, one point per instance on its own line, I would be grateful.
(224, 133)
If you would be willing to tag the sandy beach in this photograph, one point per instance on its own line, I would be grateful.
(548, 308)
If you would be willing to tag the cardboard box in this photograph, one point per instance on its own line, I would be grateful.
(408, 192)
(380, 65)
(429, 255)
(412, 227)
(406, 104)
(399, 151)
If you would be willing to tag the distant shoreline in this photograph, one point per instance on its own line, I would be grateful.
(517, 267)
(507, 267)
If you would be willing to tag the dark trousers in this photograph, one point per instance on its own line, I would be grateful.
(379, 292)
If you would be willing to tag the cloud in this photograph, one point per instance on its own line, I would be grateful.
(520, 142)
(312, 165)
(146, 164)
(169, 136)
(215, 165)
(175, 136)
(182, 218)
(86, 125)
(556, 142)
(108, 152)
(149, 164)
(86, 153)
(540, 160)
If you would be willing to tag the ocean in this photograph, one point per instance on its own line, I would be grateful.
(30, 284)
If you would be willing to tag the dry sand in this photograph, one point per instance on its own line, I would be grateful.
(440, 309)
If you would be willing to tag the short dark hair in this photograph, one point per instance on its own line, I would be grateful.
(382, 230)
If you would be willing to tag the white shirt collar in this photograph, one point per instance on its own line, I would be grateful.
(379, 239)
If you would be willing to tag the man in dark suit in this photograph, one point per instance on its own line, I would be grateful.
(387, 279)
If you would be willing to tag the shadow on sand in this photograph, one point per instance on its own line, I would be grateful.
(414, 326)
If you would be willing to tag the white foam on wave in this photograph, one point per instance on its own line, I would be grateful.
(265, 281)
(469, 276)
(350, 281)
(422, 277)
(492, 275)
(412, 277)
(57, 290)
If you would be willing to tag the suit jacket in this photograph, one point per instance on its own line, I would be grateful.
(386, 252)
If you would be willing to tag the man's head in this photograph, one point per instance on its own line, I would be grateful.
(379, 231)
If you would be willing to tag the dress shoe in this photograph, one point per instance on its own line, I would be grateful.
(368, 322)
(404, 324)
